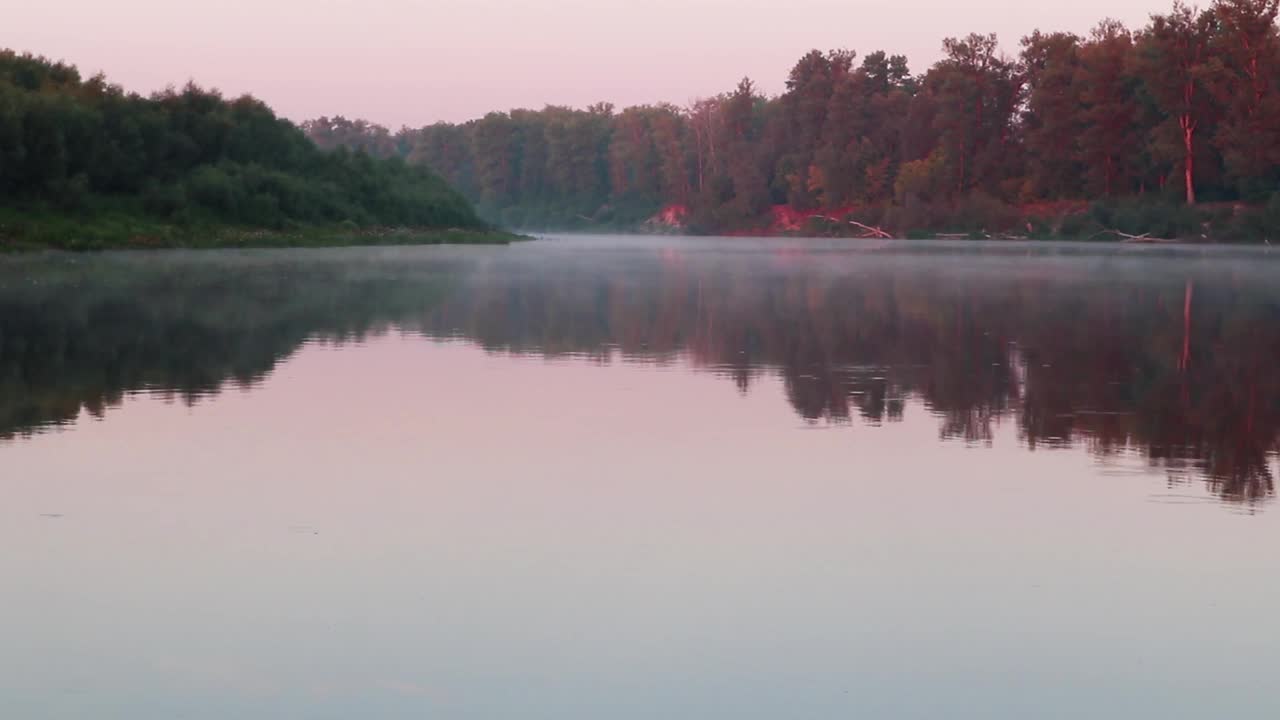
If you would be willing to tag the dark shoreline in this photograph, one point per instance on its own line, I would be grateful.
(85, 239)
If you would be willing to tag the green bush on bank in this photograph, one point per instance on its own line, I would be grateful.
(84, 163)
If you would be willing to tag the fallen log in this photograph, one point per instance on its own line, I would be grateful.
(870, 231)
(1144, 238)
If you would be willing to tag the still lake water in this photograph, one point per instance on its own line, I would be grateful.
(592, 477)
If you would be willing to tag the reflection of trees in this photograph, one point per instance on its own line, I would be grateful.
(1073, 351)
(80, 333)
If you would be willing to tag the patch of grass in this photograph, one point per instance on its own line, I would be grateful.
(21, 231)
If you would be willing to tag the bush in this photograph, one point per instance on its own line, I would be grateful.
(163, 199)
(980, 212)
(1271, 217)
(212, 188)
(1154, 217)
(913, 218)
(1080, 226)
(263, 210)
(71, 193)
(1039, 228)
(72, 146)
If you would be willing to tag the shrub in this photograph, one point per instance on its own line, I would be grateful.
(77, 145)
(212, 188)
(163, 199)
(1080, 226)
(979, 212)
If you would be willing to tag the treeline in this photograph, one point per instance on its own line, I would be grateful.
(1159, 130)
(187, 157)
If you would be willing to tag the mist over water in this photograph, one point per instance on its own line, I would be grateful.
(637, 477)
(1163, 352)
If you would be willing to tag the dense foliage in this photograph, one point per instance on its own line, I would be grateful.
(1124, 129)
(189, 156)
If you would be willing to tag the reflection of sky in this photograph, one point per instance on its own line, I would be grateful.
(411, 529)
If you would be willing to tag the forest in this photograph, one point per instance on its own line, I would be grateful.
(84, 164)
(1171, 130)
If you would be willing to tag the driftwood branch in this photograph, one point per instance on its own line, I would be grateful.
(869, 231)
(1143, 238)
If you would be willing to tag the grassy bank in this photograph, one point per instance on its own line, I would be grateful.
(53, 231)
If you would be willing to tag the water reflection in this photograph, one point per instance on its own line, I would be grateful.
(81, 332)
(1169, 354)
(1166, 353)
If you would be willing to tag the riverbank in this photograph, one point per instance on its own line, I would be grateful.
(978, 219)
(20, 233)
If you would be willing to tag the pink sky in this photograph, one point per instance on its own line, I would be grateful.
(413, 62)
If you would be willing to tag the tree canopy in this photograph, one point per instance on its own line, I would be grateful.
(1140, 123)
(188, 155)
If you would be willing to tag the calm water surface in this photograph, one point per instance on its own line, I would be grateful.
(641, 478)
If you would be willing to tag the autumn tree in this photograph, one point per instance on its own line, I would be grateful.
(1248, 136)
(976, 91)
(446, 148)
(805, 106)
(885, 73)
(834, 177)
(1179, 73)
(706, 124)
(338, 131)
(493, 138)
(670, 135)
(1190, 102)
(634, 163)
(744, 167)
(1105, 90)
(1052, 120)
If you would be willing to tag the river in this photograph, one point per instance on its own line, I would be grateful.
(623, 477)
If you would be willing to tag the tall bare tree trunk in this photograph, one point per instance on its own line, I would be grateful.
(1188, 141)
(1188, 123)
